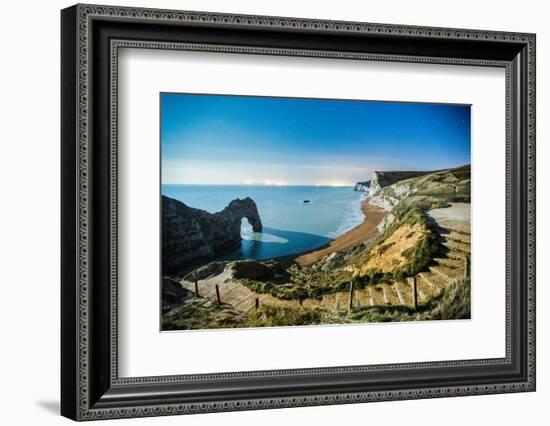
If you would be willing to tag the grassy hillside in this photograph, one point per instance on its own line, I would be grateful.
(431, 191)
(404, 249)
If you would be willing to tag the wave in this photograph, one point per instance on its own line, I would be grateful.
(354, 218)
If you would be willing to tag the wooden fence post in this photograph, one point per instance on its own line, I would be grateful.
(466, 266)
(350, 307)
(256, 303)
(218, 295)
(197, 288)
(414, 297)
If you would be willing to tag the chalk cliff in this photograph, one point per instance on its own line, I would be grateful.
(191, 235)
(388, 196)
(390, 188)
(386, 189)
(362, 186)
(380, 180)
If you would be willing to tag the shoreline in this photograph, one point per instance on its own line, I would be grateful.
(363, 232)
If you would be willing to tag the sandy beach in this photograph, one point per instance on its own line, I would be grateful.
(363, 232)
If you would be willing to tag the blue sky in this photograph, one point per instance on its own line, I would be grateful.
(217, 139)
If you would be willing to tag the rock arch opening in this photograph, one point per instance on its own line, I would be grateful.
(246, 228)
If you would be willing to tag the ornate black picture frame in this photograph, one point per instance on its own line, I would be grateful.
(90, 38)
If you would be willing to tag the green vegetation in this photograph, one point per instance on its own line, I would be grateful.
(199, 313)
(435, 190)
(270, 316)
(282, 291)
(420, 255)
(453, 303)
(304, 284)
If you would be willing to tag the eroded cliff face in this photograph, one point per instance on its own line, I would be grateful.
(191, 235)
(362, 186)
(380, 180)
(384, 188)
(388, 197)
(390, 188)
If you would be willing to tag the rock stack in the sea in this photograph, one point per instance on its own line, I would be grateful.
(190, 235)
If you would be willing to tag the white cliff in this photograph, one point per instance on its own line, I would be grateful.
(386, 189)
(381, 180)
(362, 186)
(388, 197)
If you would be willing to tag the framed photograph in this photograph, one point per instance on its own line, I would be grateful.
(263, 212)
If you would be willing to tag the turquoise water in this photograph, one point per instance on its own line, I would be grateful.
(290, 226)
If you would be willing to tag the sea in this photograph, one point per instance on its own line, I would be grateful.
(290, 226)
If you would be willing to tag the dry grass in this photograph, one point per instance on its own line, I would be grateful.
(404, 249)
(453, 303)
(389, 255)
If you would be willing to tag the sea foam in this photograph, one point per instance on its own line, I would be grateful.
(354, 218)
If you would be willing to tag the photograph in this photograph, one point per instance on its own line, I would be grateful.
(291, 211)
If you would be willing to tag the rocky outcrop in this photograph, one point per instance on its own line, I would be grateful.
(190, 235)
(209, 270)
(385, 223)
(172, 291)
(173, 294)
(362, 186)
(258, 271)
